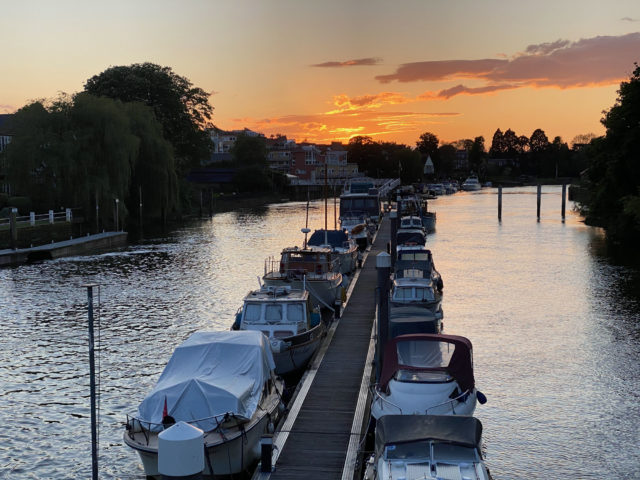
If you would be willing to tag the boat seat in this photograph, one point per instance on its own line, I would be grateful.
(448, 472)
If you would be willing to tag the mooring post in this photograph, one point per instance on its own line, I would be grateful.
(564, 199)
(539, 195)
(499, 203)
(383, 265)
(92, 387)
(13, 227)
(393, 216)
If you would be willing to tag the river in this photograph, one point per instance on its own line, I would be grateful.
(555, 328)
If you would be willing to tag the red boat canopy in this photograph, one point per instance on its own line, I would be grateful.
(458, 364)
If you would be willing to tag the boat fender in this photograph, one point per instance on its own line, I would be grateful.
(482, 398)
(236, 323)
(315, 319)
(440, 284)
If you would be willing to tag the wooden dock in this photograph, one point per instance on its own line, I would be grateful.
(74, 246)
(316, 445)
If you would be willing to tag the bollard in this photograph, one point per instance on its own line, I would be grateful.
(539, 195)
(499, 203)
(13, 228)
(266, 453)
(383, 265)
(50, 216)
(564, 199)
(67, 214)
(393, 216)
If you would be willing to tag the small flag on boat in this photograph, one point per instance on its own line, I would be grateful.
(165, 411)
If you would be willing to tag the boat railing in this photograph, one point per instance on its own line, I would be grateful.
(298, 270)
(135, 424)
(460, 398)
(376, 393)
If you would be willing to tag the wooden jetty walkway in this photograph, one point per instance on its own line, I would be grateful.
(74, 246)
(316, 445)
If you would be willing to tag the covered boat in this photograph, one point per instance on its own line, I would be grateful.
(428, 447)
(220, 382)
(287, 318)
(426, 374)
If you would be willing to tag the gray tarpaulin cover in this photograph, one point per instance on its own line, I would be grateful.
(211, 373)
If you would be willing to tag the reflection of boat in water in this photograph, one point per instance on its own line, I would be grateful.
(308, 269)
(221, 382)
(344, 249)
(427, 447)
(286, 317)
(426, 374)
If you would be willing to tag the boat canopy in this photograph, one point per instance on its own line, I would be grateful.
(411, 236)
(429, 352)
(412, 319)
(452, 429)
(209, 375)
(335, 238)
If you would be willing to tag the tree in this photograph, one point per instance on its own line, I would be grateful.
(181, 108)
(446, 160)
(614, 167)
(428, 144)
(538, 143)
(498, 148)
(250, 150)
(477, 154)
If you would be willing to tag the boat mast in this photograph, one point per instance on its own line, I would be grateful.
(335, 206)
(326, 239)
(305, 230)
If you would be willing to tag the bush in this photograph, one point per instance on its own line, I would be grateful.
(23, 204)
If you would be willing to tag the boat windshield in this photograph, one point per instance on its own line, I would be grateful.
(413, 294)
(424, 354)
(273, 313)
(411, 450)
(415, 256)
(252, 313)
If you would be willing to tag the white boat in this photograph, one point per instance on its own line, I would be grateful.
(426, 374)
(308, 269)
(295, 330)
(471, 184)
(343, 248)
(224, 384)
(361, 198)
(418, 291)
(427, 447)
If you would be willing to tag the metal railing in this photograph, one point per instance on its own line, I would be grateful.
(34, 219)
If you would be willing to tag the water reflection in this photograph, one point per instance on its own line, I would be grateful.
(553, 323)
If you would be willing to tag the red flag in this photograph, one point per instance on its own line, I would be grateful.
(165, 412)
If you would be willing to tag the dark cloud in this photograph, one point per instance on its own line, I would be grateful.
(629, 19)
(600, 60)
(351, 63)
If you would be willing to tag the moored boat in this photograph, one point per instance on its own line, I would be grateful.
(471, 184)
(427, 447)
(308, 269)
(222, 383)
(344, 248)
(286, 316)
(426, 374)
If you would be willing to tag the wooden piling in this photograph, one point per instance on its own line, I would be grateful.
(539, 196)
(564, 199)
(499, 203)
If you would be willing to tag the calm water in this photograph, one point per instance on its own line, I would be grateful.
(555, 327)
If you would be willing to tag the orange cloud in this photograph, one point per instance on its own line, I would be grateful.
(351, 63)
(323, 127)
(345, 103)
(602, 60)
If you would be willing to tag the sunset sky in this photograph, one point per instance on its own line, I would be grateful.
(322, 70)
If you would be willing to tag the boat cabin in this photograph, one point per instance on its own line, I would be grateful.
(411, 236)
(354, 204)
(412, 289)
(331, 238)
(410, 319)
(428, 358)
(411, 222)
(296, 263)
(278, 312)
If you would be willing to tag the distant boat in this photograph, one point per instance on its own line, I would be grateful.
(471, 184)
